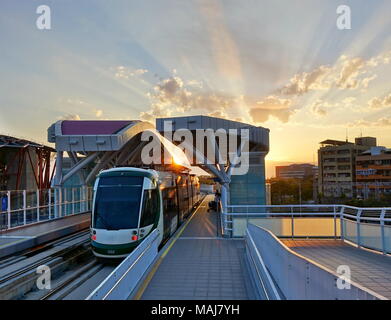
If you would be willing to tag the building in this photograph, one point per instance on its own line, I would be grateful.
(24, 164)
(337, 166)
(373, 172)
(296, 171)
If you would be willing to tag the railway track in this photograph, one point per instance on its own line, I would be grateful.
(80, 283)
(18, 274)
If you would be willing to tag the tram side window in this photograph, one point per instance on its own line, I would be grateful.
(150, 208)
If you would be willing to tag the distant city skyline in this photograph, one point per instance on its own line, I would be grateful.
(279, 64)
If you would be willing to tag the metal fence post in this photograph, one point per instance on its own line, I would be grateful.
(59, 199)
(65, 201)
(293, 224)
(246, 217)
(9, 209)
(84, 201)
(383, 237)
(24, 207)
(73, 201)
(55, 203)
(341, 218)
(50, 203)
(335, 223)
(37, 195)
(358, 220)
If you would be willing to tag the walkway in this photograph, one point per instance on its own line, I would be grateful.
(370, 269)
(201, 265)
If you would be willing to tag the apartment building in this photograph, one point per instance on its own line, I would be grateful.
(373, 172)
(296, 171)
(337, 165)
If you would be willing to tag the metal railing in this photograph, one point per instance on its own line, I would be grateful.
(366, 227)
(23, 207)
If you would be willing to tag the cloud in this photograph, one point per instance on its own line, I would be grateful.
(69, 116)
(218, 114)
(365, 82)
(306, 81)
(173, 95)
(272, 106)
(350, 69)
(318, 108)
(78, 108)
(347, 73)
(380, 103)
(381, 59)
(98, 113)
(382, 122)
(126, 73)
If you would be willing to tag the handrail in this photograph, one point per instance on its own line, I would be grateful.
(25, 207)
(262, 273)
(124, 278)
(378, 240)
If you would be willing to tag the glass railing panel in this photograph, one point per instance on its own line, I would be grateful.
(387, 238)
(317, 227)
(350, 230)
(370, 236)
(281, 227)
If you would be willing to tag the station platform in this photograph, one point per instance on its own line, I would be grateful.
(198, 264)
(29, 236)
(370, 269)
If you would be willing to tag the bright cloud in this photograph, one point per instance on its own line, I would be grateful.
(126, 73)
(380, 103)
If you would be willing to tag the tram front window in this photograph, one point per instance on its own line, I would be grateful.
(117, 203)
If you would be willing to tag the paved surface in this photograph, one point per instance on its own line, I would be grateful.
(21, 238)
(371, 270)
(201, 265)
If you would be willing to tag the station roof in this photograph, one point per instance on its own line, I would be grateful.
(94, 135)
(13, 142)
(257, 135)
(91, 127)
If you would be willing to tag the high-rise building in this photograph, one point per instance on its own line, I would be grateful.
(373, 172)
(337, 165)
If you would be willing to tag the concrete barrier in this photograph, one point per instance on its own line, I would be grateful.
(124, 279)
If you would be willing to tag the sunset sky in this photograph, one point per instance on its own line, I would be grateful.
(279, 64)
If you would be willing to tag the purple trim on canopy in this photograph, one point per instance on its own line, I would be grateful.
(82, 127)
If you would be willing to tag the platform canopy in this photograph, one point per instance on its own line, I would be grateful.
(101, 144)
